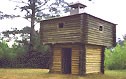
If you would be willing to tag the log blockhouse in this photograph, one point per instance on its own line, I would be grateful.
(77, 42)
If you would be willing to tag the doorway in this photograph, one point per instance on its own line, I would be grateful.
(66, 60)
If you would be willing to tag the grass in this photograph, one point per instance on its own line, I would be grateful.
(43, 74)
(120, 74)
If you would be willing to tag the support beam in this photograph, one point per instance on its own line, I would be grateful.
(82, 66)
(51, 59)
(102, 59)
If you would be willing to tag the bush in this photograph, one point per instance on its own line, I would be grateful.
(18, 57)
(116, 58)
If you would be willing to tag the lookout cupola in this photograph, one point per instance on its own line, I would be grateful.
(77, 8)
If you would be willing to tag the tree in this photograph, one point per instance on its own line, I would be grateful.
(115, 58)
(14, 34)
(37, 9)
(3, 15)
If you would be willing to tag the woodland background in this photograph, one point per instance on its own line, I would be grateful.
(28, 52)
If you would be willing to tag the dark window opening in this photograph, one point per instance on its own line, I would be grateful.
(61, 25)
(100, 28)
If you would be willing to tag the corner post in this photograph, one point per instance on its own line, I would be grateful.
(102, 59)
(51, 59)
(82, 60)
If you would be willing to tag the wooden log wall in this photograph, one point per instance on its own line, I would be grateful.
(93, 59)
(56, 65)
(78, 28)
(75, 59)
(94, 36)
(57, 58)
(51, 33)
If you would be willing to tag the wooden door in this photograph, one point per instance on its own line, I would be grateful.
(66, 60)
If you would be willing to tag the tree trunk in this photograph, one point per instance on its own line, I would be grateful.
(32, 31)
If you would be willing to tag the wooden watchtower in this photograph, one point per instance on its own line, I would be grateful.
(77, 42)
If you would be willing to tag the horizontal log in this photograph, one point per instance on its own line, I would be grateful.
(93, 56)
(57, 62)
(56, 70)
(57, 29)
(73, 59)
(93, 65)
(94, 59)
(75, 70)
(64, 31)
(98, 20)
(75, 73)
(92, 68)
(93, 53)
(87, 61)
(57, 65)
(57, 56)
(95, 35)
(87, 72)
(96, 26)
(57, 53)
(75, 62)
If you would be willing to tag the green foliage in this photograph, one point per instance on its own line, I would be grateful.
(116, 58)
(42, 8)
(17, 56)
(9, 55)
(17, 50)
(4, 49)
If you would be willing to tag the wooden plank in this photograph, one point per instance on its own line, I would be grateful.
(56, 59)
(93, 64)
(93, 58)
(70, 32)
(57, 62)
(75, 60)
(114, 35)
(91, 68)
(95, 36)
(57, 68)
(87, 72)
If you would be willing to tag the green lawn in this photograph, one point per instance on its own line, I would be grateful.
(120, 74)
(43, 74)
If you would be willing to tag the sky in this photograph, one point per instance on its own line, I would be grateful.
(110, 10)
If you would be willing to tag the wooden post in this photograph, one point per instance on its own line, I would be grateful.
(51, 58)
(62, 66)
(82, 60)
(114, 35)
(102, 59)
